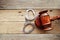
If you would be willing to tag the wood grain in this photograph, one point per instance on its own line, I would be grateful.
(25, 4)
(29, 36)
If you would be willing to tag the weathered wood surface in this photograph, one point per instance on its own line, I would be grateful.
(23, 4)
(12, 21)
(29, 37)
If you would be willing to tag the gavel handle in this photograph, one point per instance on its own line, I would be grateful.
(55, 18)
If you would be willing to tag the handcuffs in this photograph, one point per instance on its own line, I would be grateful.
(28, 21)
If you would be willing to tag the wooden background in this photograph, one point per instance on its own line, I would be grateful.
(23, 4)
(12, 21)
(29, 36)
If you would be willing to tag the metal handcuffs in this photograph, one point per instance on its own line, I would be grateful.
(28, 21)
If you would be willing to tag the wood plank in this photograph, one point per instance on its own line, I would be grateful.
(24, 4)
(29, 37)
(11, 21)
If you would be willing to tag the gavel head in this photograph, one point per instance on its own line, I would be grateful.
(42, 21)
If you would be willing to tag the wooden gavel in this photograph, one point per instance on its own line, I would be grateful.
(43, 20)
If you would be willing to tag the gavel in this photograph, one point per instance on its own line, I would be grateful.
(43, 20)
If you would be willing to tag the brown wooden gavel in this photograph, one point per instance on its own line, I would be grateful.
(43, 20)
